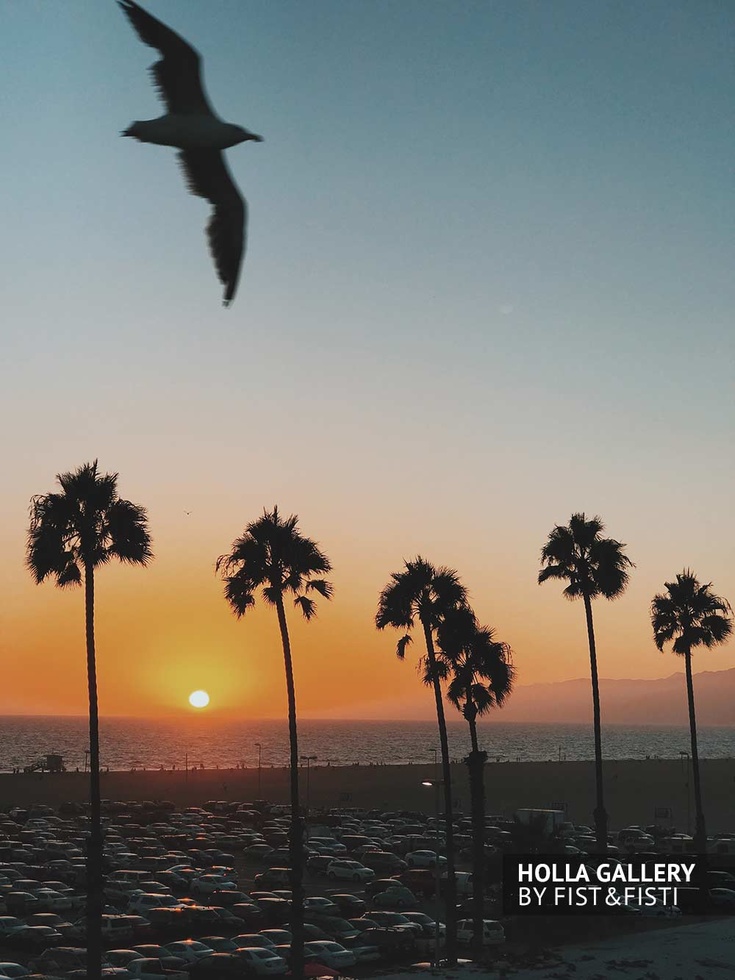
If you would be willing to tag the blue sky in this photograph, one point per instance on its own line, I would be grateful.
(488, 283)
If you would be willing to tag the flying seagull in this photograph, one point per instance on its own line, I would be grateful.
(192, 126)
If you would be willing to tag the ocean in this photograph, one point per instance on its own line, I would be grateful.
(128, 743)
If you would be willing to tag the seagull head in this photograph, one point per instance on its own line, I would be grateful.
(242, 135)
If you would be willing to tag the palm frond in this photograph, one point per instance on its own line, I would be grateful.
(320, 585)
(274, 556)
(689, 615)
(307, 606)
(401, 646)
(239, 594)
(591, 565)
(127, 529)
(86, 524)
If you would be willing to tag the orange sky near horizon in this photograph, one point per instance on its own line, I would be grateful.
(165, 631)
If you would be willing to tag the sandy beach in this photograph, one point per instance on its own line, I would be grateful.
(634, 789)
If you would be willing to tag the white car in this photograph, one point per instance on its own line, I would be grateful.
(149, 968)
(426, 922)
(263, 962)
(347, 870)
(188, 950)
(145, 901)
(492, 932)
(424, 859)
(331, 954)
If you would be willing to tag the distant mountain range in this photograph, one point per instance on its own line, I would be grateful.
(627, 702)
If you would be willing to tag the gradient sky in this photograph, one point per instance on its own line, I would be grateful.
(489, 283)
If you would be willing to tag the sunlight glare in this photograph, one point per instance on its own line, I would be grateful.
(199, 699)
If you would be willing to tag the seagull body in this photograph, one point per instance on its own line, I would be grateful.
(186, 132)
(200, 135)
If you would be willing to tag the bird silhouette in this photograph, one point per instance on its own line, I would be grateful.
(200, 135)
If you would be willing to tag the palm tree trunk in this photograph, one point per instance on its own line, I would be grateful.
(600, 812)
(296, 844)
(700, 832)
(94, 844)
(451, 886)
(475, 765)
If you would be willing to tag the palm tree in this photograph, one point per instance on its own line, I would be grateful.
(71, 534)
(272, 555)
(592, 566)
(691, 615)
(425, 593)
(481, 674)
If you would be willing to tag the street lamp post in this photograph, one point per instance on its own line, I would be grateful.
(682, 755)
(260, 750)
(437, 784)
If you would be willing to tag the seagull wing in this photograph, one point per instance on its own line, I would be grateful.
(207, 176)
(177, 75)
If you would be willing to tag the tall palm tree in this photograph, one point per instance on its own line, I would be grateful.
(481, 674)
(425, 593)
(592, 566)
(691, 615)
(71, 534)
(272, 555)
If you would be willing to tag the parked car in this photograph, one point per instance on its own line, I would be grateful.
(219, 944)
(383, 862)
(60, 959)
(145, 901)
(263, 962)
(424, 859)
(337, 928)
(218, 966)
(9, 924)
(317, 864)
(722, 898)
(14, 971)
(206, 884)
(391, 942)
(345, 869)
(395, 897)
(320, 904)
(253, 939)
(349, 905)
(273, 877)
(331, 953)
(188, 950)
(492, 932)
(396, 921)
(121, 957)
(428, 925)
(35, 937)
(380, 885)
(153, 969)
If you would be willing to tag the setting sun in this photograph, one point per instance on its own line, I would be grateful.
(199, 699)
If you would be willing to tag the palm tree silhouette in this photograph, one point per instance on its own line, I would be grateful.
(691, 615)
(427, 593)
(273, 556)
(71, 533)
(593, 566)
(481, 674)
